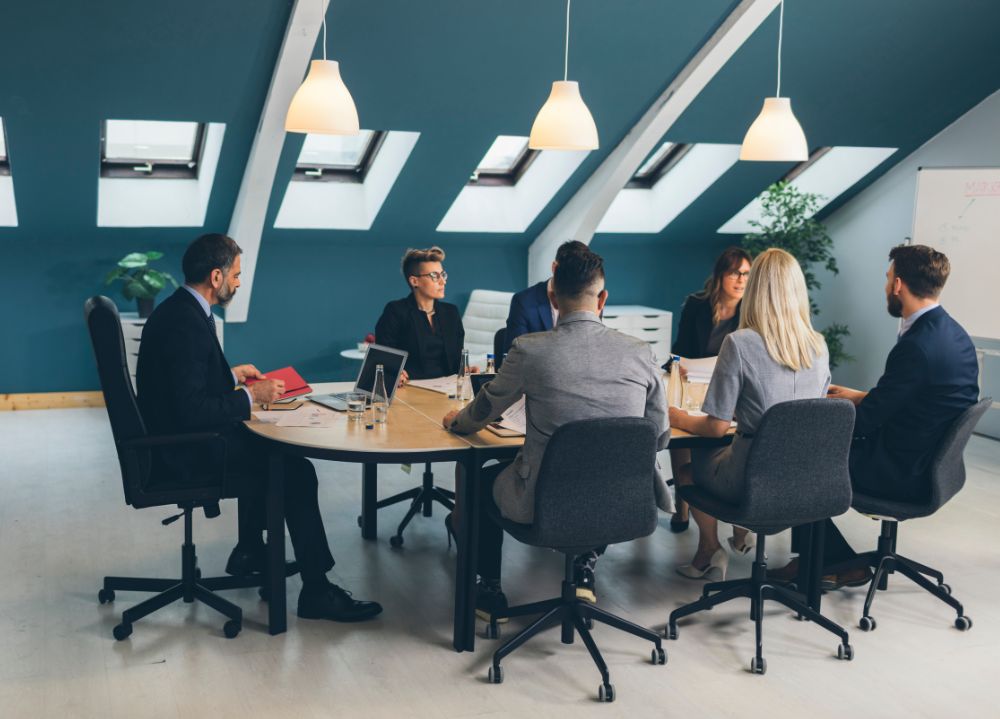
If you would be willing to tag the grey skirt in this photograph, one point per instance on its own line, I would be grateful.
(720, 470)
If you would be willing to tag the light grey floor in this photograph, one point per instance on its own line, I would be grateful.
(63, 525)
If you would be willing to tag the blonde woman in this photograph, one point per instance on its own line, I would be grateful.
(775, 356)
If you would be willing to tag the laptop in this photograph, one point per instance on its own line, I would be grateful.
(392, 360)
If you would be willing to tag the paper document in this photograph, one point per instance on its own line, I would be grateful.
(444, 385)
(308, 415)
(699, 370)
(515, 418)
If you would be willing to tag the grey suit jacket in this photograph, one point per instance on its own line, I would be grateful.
(579, 370)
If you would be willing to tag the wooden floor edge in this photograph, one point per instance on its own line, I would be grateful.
(50, 400)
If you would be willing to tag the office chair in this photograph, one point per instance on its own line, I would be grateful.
(947, 477)
(148, 483)
(595, 487)
(796, 473)
(498, 341)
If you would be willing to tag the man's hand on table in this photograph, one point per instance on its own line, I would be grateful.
(266, 391)
(837, 392)
(449, 418)
(244, 372)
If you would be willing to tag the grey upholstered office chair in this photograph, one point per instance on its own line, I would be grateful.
(947, 477)
(595, 487)
(148, 484)
(796, 473)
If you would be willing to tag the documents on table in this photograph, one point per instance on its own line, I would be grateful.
(444, 385)
(699, 370)
(512, 423)
(308, 415)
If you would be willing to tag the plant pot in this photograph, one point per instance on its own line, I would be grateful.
(145, 306)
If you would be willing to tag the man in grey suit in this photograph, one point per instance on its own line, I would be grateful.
(579, 370)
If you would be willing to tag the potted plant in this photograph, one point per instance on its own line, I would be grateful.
(787, 222)
(140, 281)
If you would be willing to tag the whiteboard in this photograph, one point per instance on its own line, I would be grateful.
(957, 211)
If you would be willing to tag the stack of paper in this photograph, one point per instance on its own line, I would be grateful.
(444, 385)
(515, 418)
(699, 370)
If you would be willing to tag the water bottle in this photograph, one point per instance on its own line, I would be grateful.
(491, 366)
(463, 385)
(674, 388)
(380, 398)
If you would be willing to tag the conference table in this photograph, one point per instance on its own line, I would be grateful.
(412, 433)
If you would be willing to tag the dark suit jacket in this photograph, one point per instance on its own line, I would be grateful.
(695, 327)
(931, 376)
(397, 328)
(530, 311)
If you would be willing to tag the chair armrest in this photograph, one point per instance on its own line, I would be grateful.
(167, 440)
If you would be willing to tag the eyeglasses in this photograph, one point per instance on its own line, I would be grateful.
(737, 275)
(434, 276)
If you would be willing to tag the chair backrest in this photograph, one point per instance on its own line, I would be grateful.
(595, 485)
(797, 468)
(485, 313)
(105, 330)
(498, 340)
(947, 470)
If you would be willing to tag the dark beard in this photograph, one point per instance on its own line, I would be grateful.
(224, 296)
(895, 306)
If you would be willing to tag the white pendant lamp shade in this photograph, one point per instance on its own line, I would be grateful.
(322, 104)
(564, 122)
(775, 135)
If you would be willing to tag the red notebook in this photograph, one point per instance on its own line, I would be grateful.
(294, 384)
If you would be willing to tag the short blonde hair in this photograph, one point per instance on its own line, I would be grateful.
(776, 306)
(413, 258)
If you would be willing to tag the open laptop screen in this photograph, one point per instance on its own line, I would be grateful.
(391, 359)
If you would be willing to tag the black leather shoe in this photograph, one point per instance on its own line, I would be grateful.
(246, 563)
(333, 603)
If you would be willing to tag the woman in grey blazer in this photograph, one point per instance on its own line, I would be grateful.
(775, 356)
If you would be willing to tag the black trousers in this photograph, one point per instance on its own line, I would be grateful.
(835, 546)
(246, 480)
(491, 533)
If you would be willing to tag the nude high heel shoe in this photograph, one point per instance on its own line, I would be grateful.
(714, 572)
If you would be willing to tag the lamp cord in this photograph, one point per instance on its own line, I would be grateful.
(566, 59)
(781, 28)
(322, 5)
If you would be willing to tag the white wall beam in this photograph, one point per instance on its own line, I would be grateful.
(247, 223)
(579, 218)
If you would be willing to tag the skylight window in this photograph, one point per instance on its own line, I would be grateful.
(151, 148)
(338, 158)
(659, 164)
(829, 172)
(4, 162)
(505, 162)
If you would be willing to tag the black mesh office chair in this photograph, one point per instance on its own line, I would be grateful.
(595, 487)
(147, 483)
(947, 477)
(796, 473)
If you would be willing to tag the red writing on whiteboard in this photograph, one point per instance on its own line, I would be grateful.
(982, 188)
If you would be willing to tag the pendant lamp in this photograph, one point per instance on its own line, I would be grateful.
(776, 136)
(564, 122)
(323, 104)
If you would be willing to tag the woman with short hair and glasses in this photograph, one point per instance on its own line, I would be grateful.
(421, 324)
(707, 318)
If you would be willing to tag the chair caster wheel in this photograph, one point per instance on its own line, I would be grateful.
(963, 623)
(495, 675)
(867, 624)
(606, 692)
(670, 632)
(396, 541)
(106, 596)
(122, 631)
(492, 631)
(946, 588)
(758, 666)
(658, 656)
(231, 628)
(845, 652)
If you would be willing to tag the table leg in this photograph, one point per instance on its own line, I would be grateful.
(369, 501)
(467, 510)
(276, 612)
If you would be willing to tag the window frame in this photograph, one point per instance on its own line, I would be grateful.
(505, 178)
(814, 157)
(317, 172)
(666, 163)
(5, 158)
(158, 169)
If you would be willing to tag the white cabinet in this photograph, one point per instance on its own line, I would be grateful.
(646, 323)
(132, 332)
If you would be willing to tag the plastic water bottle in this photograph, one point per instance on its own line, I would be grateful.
(491, 366)
(675, 390)
(380, 398)
(463, 385)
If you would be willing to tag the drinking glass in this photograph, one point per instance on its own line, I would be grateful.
(355, 406)
(694, 395)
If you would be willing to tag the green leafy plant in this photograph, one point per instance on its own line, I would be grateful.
(140, 281)
(788, 222)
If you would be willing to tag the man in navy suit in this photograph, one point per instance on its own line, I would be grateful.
(530, 309)
(931, 376)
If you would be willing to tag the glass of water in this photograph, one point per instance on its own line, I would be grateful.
(355, 406)
(694, 395)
